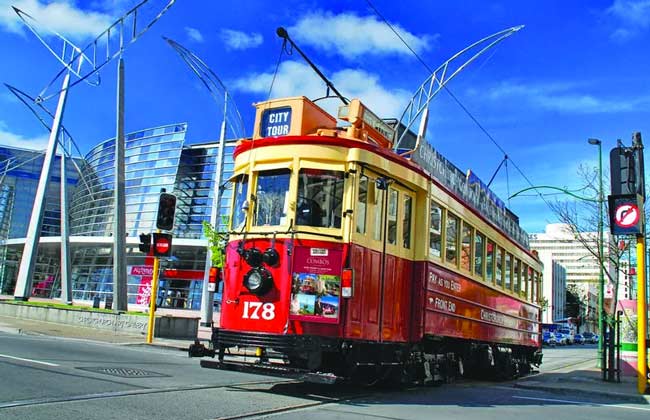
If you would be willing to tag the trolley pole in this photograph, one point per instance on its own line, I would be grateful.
(152, 299)
(642, 313)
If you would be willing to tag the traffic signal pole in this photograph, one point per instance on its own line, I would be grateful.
(642, 313)
(152, 299)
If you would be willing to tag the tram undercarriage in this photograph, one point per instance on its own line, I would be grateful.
(434, 360)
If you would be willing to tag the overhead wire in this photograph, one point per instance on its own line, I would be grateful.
(467, 111)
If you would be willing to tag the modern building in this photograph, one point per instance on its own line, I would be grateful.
(553, 289)
(155, 159)
(582, 268)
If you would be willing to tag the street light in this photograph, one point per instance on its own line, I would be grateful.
(601, 282)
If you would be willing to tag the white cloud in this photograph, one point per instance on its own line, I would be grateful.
(634, 16)
(8, 138)
(237, 40)
(61, 16)
(352, 36)
(194, 34)
(295, 78)
(564, 97)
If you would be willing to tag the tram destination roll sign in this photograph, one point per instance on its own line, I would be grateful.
(276, 122)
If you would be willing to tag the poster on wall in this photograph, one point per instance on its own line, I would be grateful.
(141, 276)
(316, 285)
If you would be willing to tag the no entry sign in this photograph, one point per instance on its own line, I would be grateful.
(626, 214)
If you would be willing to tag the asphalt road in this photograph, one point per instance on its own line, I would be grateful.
(56, 378)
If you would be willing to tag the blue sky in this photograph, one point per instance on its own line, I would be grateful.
(577, 70)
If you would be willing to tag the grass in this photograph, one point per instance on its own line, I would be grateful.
(55, 305)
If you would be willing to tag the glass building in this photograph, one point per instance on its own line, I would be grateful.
(155, 159)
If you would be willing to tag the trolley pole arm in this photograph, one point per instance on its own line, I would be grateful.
(282, 33)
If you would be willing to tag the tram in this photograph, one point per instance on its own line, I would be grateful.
(347, 259)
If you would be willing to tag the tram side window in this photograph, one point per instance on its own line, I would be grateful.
(479, 241)
(499, 267)
(451, 239)
(524, 279)
(392, 217)
(362, 204)
(272, 197)
(435, 231)
(320, 198)
(489, 262)
(406, 222)
(508, 272)
(517, 274)
(465, 247)
(377, 221)
(239, 197)
(529, 284)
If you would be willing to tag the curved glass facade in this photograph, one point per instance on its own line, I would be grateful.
(152, 158)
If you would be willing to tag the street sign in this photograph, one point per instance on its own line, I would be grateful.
(626, 214)
(162, 244)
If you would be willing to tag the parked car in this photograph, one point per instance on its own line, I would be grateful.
(578, 339)
(561, 339)
(548, 339)
(567, 333)
(590, 338)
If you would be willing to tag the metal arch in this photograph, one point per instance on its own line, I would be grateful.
(216, 87)
(113, 40)
(65, 134)
(439, 78)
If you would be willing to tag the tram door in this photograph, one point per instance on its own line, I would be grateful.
(382, 257)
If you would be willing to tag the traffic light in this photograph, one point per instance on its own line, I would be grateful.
(145, 243)
(627, 174)
(162, 244)
(166, 210)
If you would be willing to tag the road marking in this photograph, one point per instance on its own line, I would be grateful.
(582, 403)
(6, 356)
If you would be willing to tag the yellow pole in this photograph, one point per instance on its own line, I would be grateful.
(642, 313)
(152, 299)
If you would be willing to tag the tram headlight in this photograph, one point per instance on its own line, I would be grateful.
(258, 281)
(253, 257)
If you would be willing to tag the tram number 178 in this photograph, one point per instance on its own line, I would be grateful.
(253, 310)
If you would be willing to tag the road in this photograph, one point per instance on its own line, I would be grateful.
(56, 378)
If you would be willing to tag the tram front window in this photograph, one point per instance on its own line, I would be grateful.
(271, 197)
(320, 198)
(239, 197)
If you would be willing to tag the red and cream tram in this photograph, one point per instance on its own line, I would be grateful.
(347, 260)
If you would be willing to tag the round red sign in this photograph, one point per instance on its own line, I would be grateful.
(627, 215)
(162, 245)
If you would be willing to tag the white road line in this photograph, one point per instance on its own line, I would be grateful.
(582, 403)
(6, 356)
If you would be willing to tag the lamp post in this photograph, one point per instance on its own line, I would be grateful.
(601, 280)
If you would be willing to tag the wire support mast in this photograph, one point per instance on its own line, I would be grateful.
(440, 77)
(85, 63)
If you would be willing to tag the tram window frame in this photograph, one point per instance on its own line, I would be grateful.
(499, 266)
(517, 276)
(239, 196)
(479, 255)
(454, 260)
(407, 215)
(435, 235)
(378, 220)
(508, 280)
(361, 218)
(490, 259)
(392, 216)
(466, 246)
(319, 198)
(261, 204)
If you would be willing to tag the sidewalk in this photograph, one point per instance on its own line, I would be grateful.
(585, 379)
(27, 326)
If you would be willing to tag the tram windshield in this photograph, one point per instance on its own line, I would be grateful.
(320, 198)
(272, 198)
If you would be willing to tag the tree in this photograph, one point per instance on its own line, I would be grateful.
(575, 304)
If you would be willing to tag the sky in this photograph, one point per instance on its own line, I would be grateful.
(577, 70)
